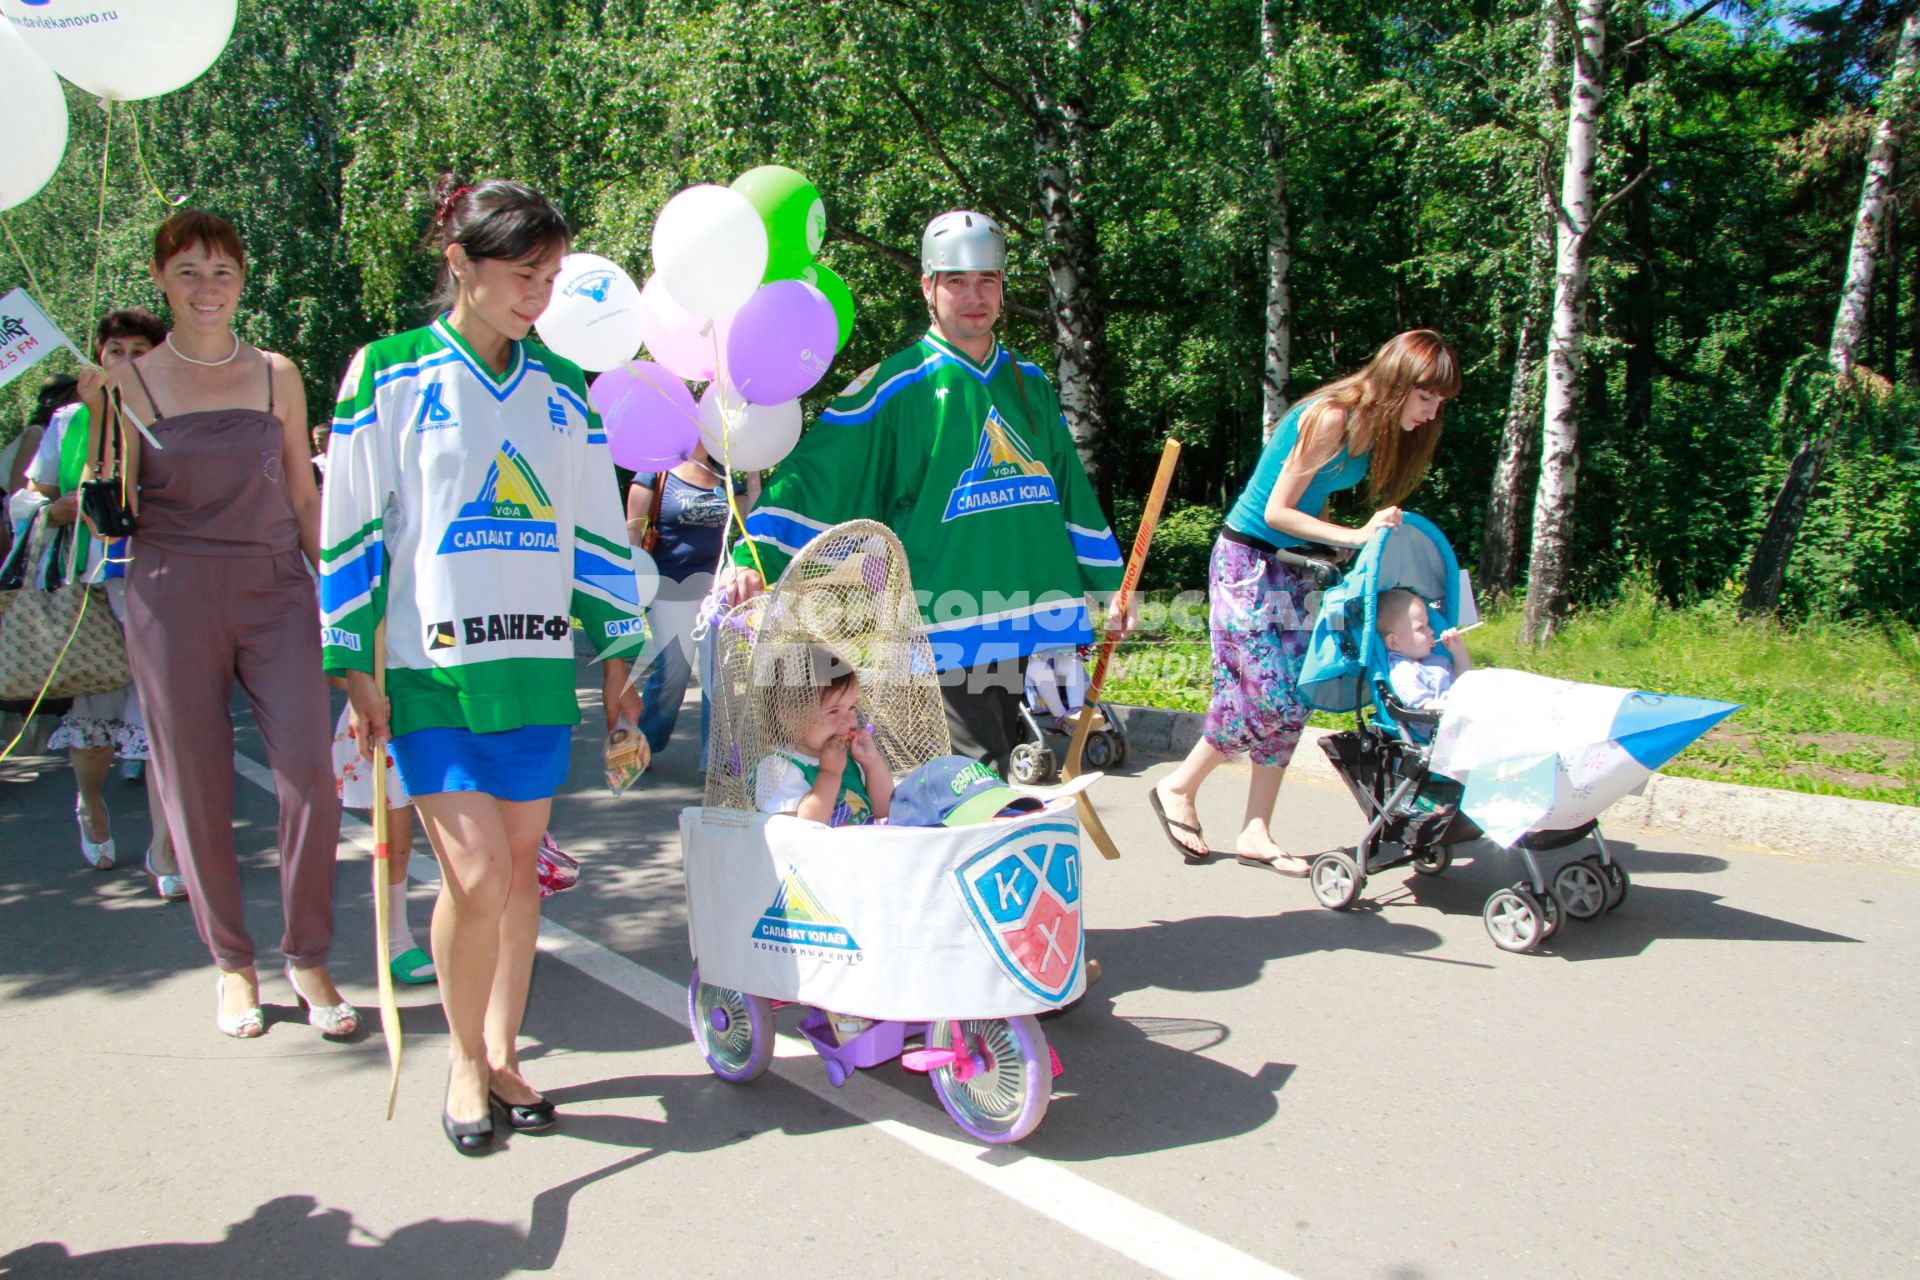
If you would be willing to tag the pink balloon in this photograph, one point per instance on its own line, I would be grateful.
(782, 341)
(652, 422)
(685, 343)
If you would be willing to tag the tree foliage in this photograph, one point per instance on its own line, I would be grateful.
(1413, 159)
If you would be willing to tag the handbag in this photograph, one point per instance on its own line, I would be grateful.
(103, 500)
(651, 538)
(39, 622)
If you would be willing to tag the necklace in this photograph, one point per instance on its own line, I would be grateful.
(206, 364)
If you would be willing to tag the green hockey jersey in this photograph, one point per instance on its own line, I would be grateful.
(477, 513)
(971, 465)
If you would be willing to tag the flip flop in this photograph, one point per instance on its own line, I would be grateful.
(1168, 825)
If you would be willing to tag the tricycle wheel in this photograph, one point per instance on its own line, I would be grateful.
(733, 1030)
(1336, 879)
(1005, 1095)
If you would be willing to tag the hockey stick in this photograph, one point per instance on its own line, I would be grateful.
(1149, 520)
(382, 883)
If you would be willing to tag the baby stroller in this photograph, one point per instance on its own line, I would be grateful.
(1413, 815)
(954, 937)
(1036, 759)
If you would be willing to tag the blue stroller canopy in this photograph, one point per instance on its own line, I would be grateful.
(1346, 654)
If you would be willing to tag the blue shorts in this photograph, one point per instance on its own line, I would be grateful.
(529, 763)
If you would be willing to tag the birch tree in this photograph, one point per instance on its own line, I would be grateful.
(1575, 220)
(1056, 102)
(1500, 532)
(1767, 571)
(1277, 351)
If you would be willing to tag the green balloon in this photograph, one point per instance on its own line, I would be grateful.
(828, 281)
(795, 215)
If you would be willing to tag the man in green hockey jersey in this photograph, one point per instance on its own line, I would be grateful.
(958, 445)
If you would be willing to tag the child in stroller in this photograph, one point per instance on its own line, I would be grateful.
(1413, 815)
(1056, 690)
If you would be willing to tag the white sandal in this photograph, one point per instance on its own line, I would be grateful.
(100, 854)
(241, 1026)
(330, 1019)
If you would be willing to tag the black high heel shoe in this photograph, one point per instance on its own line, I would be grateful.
(524, 1117)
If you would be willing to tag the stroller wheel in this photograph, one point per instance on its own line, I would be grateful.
(1582, 889)
(1432, 860)
(1556, 915)
(1033, 765)
(1515, 919)
(1617, 882)
(1336, 879)
(1101, 752)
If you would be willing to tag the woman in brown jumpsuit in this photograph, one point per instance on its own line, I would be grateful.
(227, 522)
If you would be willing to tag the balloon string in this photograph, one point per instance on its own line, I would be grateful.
(140, 151)
(100, 223)
(726, 452)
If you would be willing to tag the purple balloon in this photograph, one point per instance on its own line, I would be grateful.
(652, 422)
(782, 341)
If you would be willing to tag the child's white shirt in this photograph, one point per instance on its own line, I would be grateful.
(778, 784)
(1420, 683)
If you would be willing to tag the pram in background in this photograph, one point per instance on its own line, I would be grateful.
(1036, 760)
(1413, 814)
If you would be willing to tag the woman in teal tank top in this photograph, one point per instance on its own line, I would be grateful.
(1380, 424)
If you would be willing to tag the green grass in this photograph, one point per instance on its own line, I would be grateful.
(1830, 708)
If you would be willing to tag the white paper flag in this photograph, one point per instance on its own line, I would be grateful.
(27, 336)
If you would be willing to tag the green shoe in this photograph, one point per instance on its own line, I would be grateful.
(412, 966)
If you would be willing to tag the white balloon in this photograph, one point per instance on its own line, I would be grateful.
(594, 316)
(746, 437)
(126, 49)
(35, 136)
(646, 576)
(709, 249)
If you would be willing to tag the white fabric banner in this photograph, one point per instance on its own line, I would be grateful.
(1536, 754)
(27, 336)
(902, 923)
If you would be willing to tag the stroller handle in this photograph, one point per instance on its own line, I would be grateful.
(1321, 561)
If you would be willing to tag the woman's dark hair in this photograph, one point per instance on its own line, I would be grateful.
(128, 322)
(508, 221)
(196, 228)
(61, 389)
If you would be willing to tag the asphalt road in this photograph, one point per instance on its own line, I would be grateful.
(1719, 1079)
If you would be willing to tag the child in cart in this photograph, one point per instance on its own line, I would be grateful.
(825, 767)
(1418, 679)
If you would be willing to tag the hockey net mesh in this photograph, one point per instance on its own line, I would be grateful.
(845, 601)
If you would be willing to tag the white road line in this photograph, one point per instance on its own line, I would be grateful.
(1104, 1217)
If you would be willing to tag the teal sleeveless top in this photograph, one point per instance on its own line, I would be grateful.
(1249, 514)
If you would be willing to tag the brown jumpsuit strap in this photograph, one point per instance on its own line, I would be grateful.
(151, 402)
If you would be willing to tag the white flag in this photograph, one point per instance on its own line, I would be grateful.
(26, 336)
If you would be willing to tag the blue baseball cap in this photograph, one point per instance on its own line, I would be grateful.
(953, 791)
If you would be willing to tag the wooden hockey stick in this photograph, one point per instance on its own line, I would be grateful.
(382, 883)
(1149, 520)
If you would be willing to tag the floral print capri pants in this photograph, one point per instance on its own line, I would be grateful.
(1261, 620)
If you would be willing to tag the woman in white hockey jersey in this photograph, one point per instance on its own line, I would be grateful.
(471, 504)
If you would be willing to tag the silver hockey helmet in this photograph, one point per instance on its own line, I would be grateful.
(963, 241)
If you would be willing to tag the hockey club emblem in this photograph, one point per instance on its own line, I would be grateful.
(1023, 896)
